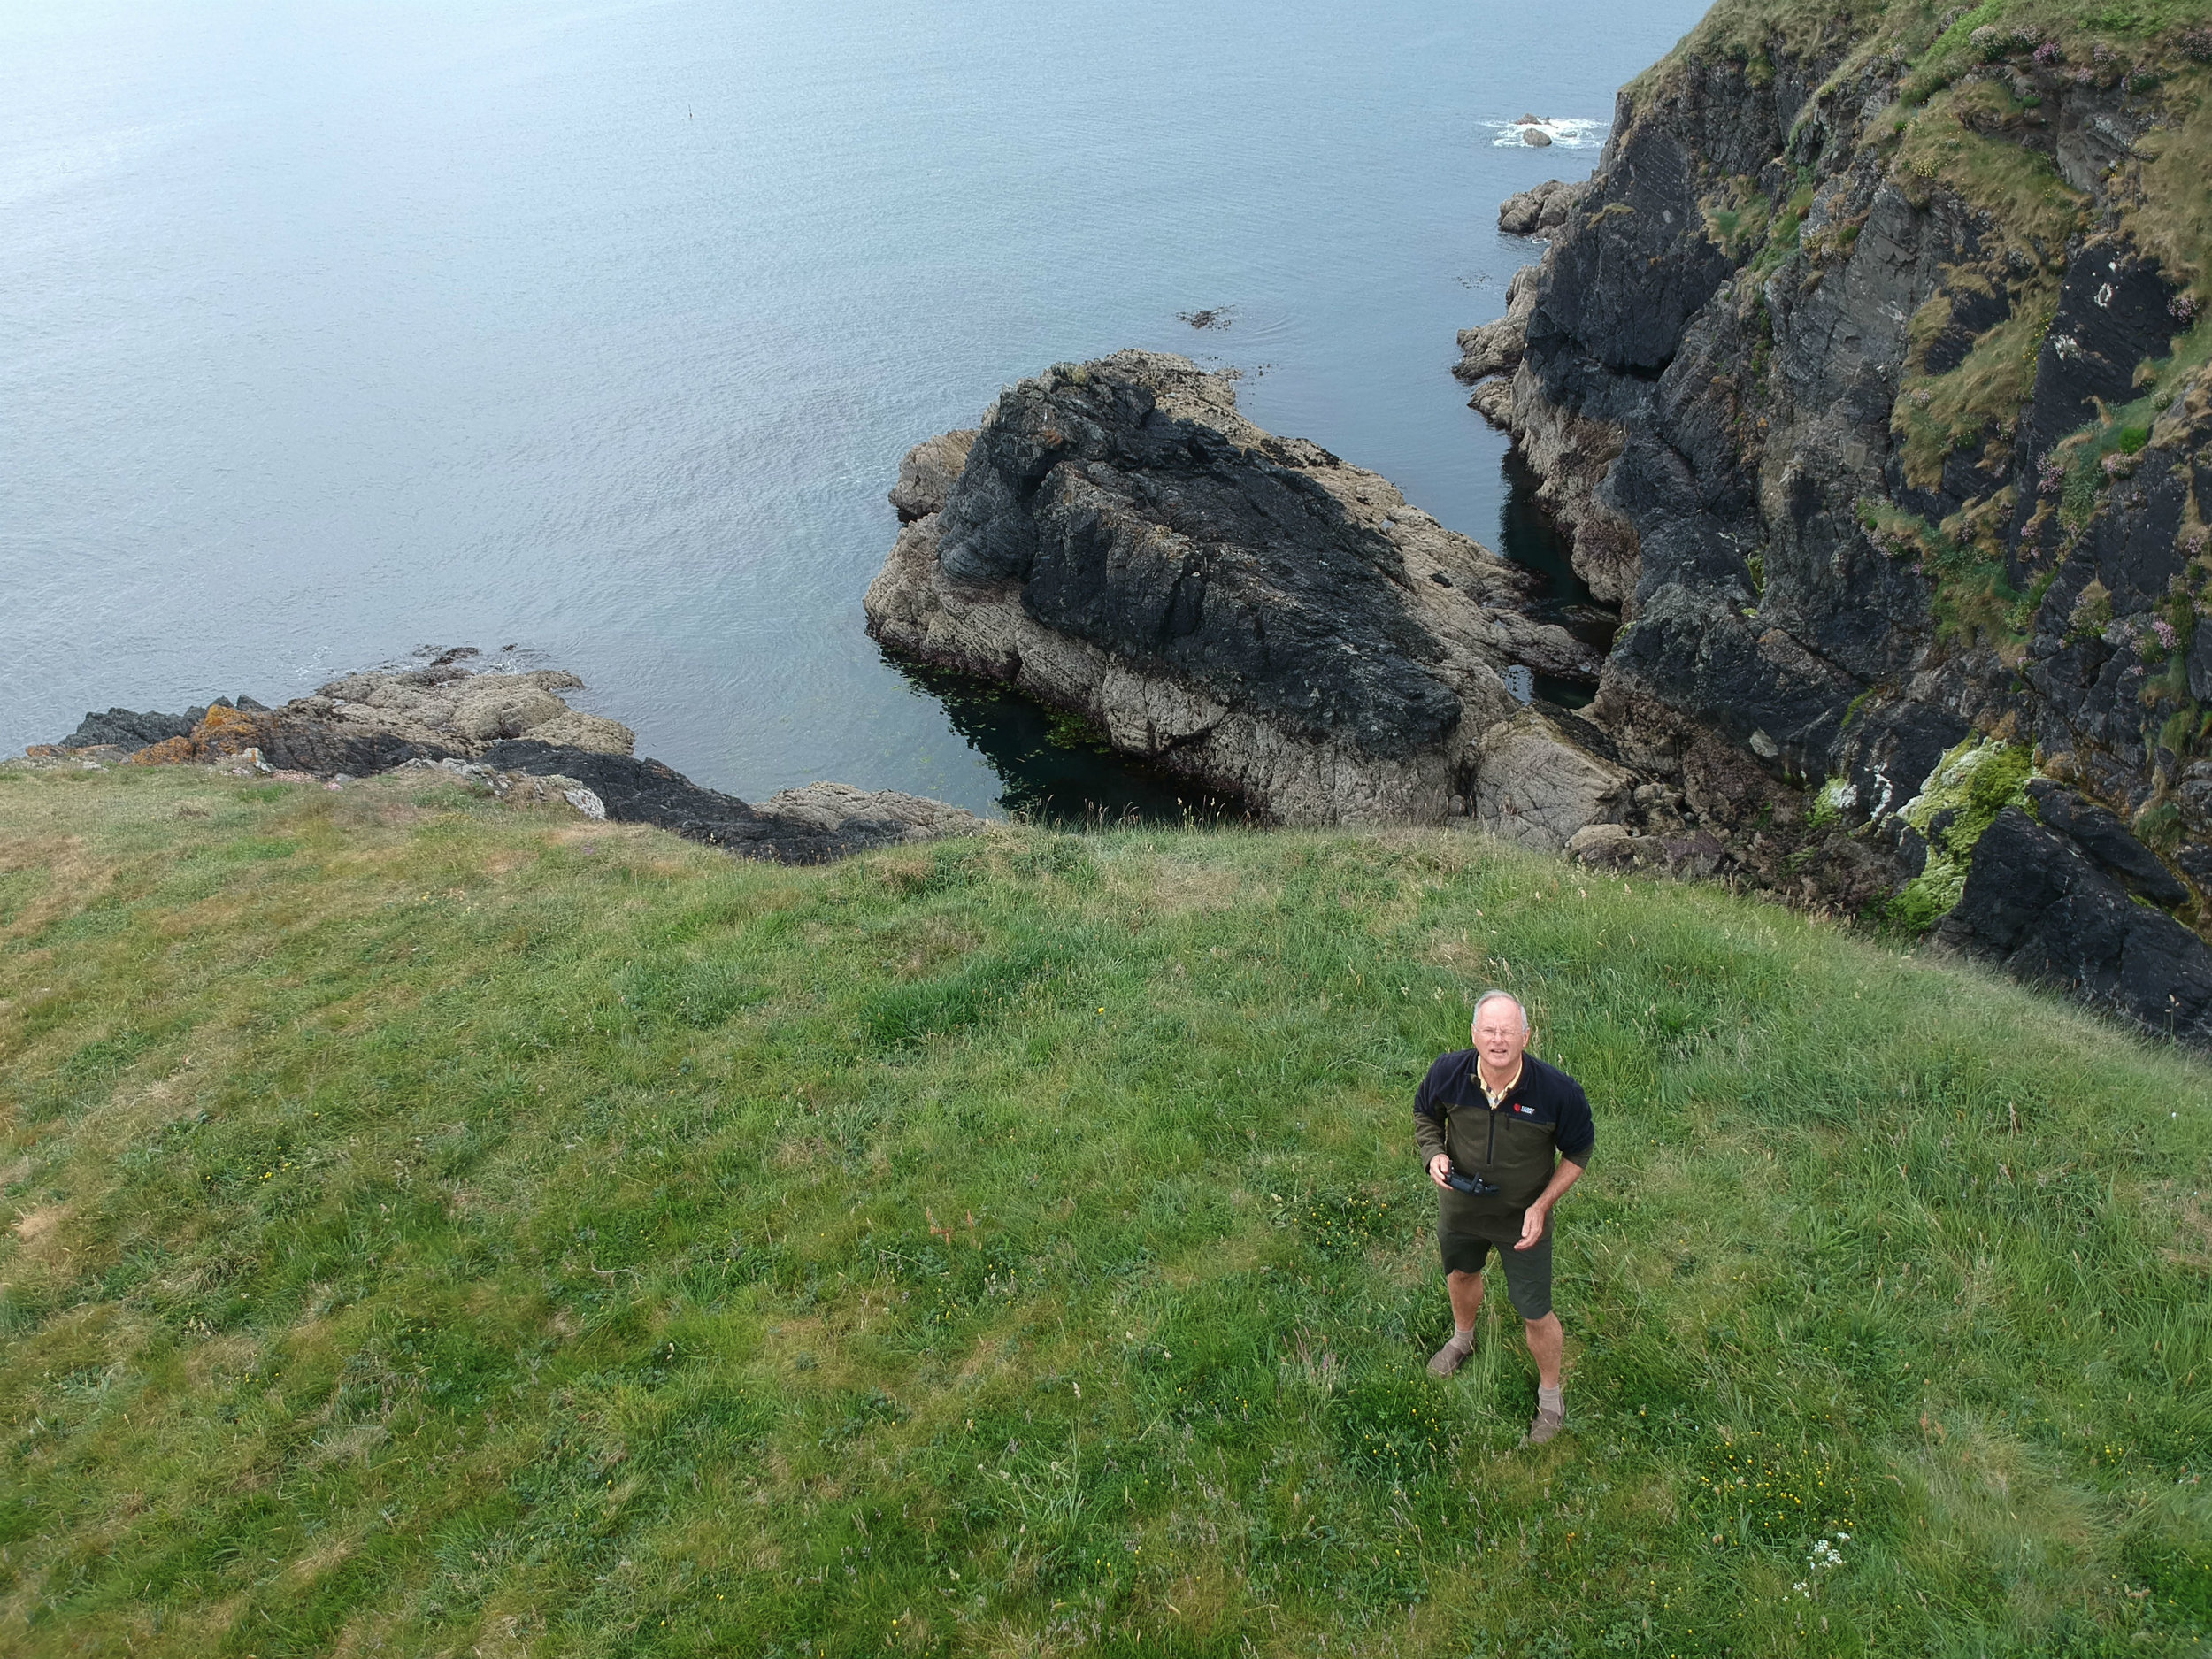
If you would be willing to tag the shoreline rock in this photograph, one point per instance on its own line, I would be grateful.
(1542, 209)
(1239, 607)
(511, 735)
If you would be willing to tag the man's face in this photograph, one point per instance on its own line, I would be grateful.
(1500, 1036)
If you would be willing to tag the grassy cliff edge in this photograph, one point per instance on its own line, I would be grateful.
(439, 1227)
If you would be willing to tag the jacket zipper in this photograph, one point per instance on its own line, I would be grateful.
(1490, 1150)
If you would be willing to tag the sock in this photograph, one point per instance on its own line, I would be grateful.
(1551, 1398)
(1463, 1334)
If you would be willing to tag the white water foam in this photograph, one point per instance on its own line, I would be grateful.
(1565, 132)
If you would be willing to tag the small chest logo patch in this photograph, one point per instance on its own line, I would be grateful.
(1526, 1111)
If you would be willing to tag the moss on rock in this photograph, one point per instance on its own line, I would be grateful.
(1974, 781)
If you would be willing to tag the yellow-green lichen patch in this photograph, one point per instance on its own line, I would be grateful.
(1972, 783)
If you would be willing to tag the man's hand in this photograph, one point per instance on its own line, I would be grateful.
(1439, 1166)
(1533, 1224)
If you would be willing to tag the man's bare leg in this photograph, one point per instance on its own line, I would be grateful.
(1547, 1342)
(1465, 1290)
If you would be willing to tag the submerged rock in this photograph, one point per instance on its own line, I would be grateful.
(1243, 608)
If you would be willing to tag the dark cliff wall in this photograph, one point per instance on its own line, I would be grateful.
(1870, 374)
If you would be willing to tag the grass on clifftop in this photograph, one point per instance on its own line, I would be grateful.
(434, 1227)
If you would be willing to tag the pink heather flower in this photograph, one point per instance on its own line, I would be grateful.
(2046, 53)
(2183, 306)
(2116, 465)
(2164, 629)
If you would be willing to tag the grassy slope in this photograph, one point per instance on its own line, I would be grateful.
(446, 1228)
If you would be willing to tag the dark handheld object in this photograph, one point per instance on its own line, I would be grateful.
(1474, 1184)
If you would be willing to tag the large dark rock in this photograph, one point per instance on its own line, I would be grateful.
(640, 791)
(2041, 907)
(1153, 534)
(2108, 842)
(1242, 608)
(332, 751)
(1633, 264)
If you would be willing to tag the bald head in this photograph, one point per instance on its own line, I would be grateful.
(1501, 1033)
(1508, 1003)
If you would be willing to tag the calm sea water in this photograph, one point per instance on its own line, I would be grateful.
(336, 329)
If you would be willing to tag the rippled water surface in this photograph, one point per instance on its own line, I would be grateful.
(336, 329)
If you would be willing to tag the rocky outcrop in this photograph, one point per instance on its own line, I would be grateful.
(1242, 608)
(447, 703)
(510, 734)
(368, 722)
(927, 474)
(1540, 210)
(130, 731)
(807, 825)
(1852, 377)
(2041, 906)
(1496, 347)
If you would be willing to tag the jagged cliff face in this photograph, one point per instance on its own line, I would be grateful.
(1868, 375)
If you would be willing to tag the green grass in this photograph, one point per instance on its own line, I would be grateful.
(444, 1228)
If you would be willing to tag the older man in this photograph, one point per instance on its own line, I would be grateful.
(1504, 1136)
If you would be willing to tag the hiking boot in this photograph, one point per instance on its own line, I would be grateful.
(1453, 1354)
(1546, 1425)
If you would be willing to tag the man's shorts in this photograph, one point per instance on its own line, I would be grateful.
(1527, 1272)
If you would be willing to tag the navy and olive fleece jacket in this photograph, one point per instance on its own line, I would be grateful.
(1544, 1113)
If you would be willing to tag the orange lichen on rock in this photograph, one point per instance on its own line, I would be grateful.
(222, 733)
(228, 731)
(171, 751)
